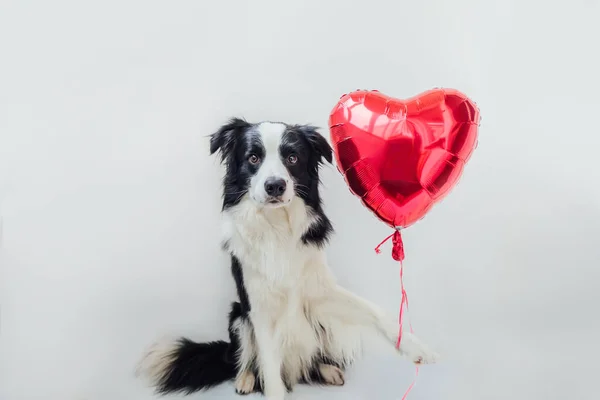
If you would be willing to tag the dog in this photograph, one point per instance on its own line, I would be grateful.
(292, 322)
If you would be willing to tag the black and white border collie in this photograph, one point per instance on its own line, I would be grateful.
(292, 323)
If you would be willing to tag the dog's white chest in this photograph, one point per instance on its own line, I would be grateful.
(269, 242)
(281, 275)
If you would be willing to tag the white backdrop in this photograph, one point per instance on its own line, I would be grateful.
(109, 200)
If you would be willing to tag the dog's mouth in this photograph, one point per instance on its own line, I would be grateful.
(274, 200)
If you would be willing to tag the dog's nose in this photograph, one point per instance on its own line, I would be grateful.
(275, 187)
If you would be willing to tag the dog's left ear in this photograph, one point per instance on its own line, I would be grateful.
(317, 142)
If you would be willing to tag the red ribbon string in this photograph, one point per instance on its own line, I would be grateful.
(378, 248)
(398, 255)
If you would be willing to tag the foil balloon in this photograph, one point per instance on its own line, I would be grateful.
(403, 156)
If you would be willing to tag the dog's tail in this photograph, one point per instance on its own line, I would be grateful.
(185, 366)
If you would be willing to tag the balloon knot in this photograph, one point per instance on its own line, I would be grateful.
(398, 247)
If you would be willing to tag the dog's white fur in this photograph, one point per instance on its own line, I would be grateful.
(293, 293)
(271, 166)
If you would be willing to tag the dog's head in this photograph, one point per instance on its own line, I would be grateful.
(272, 162)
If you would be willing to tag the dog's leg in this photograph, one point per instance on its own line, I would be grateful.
(245, 379)
(269, 357)
(353, 309)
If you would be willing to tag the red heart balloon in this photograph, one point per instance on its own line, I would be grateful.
(402, 156)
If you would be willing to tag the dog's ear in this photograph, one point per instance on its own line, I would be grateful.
(224, 139)
(318, 143)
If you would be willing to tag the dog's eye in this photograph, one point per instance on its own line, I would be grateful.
(253, 159)
(292, 159)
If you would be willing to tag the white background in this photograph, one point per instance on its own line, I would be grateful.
(110, 202)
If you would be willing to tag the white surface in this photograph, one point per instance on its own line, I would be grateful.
(110, 202)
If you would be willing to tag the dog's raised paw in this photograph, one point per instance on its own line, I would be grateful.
(416, 351)
(423, 355)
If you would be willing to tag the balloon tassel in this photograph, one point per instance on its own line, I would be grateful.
(398, 255)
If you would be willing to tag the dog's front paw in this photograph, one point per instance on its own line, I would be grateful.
(417, 352)
(424, 355)
(275, 393)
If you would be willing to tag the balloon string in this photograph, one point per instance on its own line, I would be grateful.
(412, 384)
(403, 304)
(378, 248)
(398, 255)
